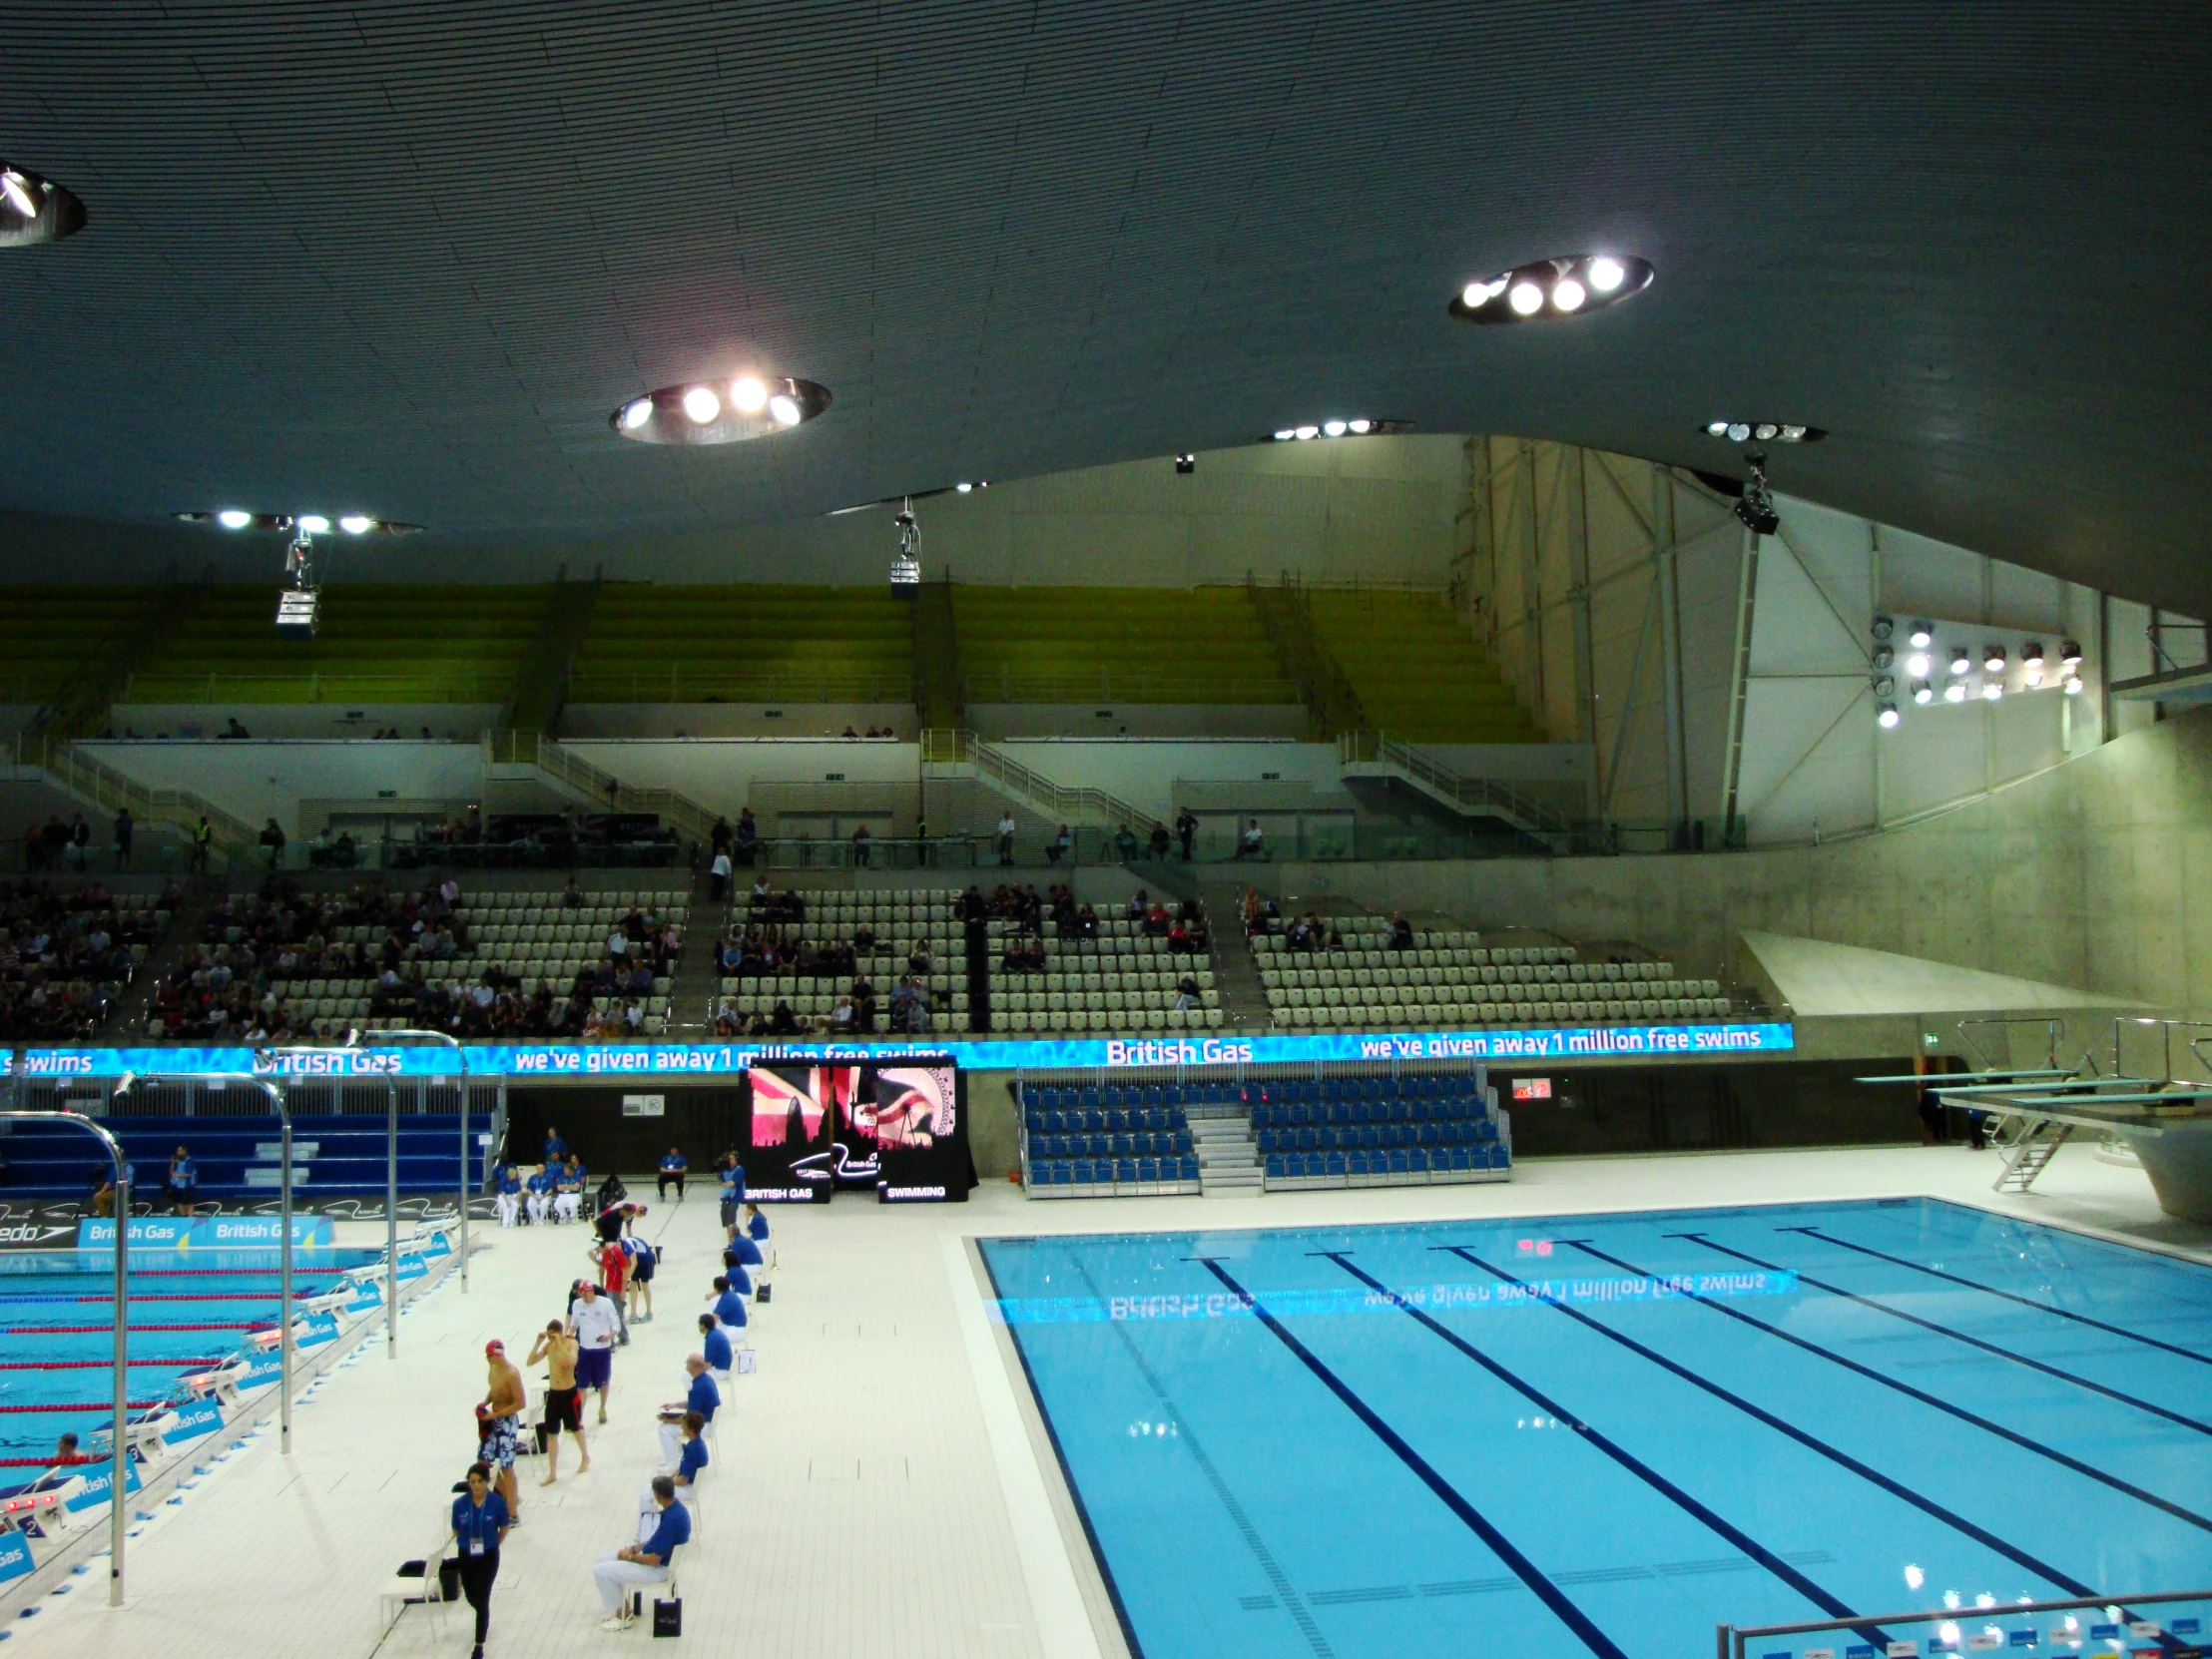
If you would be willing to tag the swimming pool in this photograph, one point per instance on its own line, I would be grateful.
(1609, 1434)
(57, 1342)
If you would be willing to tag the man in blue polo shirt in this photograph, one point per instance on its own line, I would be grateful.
(183, 1177)
(509, 1189)
(691, 1464)
(730, 1175)
(643, 1563)
(672, 1166)
(701, 1397)
(540, 1191)
(729, 1305)
(714, 1345)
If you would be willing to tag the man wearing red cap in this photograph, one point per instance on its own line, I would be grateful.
(499, 1423)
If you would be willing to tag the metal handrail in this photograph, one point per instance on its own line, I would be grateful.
(687, 814)
(1729, 1639)
(1066, 803)
(2167, 1027)
(1357, 747)
(120, 1441)
(108, 788)
(356, 1039)
(2056, 1029)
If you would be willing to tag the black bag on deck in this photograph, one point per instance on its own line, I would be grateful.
(668, 1616)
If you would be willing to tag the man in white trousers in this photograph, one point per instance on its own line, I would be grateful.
(644, 1562)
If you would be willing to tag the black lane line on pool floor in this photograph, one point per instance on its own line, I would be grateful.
(2008, 1296)
(1502, 1546)
(1819, 1597)
(1804, 1438)
(1934, 1402)
(1805, 1278)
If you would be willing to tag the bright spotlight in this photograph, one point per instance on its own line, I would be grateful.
(1308, 433)
(1923, 635)
(1526, 299)
(2033, 656)
(1739, 431)
(2071, 654)
(1606, 273)
(315, 524)
(1717, 428)
(636, 413)
(1956, 691)
(1765, 431)
(17, 189)
(1991, 691)
(1886, 715)
(355, 524)
(1568, 294)
(748, 395)
(1359, 426)
(1922, 693)
(784, 409)
(2073, 688)
(233, 519)
(701, 404)
(1286, 434)
(1992, 658)
(1960, 662)
(1333, 428)
(962, 490)
(1474, 295)
(1917, 665)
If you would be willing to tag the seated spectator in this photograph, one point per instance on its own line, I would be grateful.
(1179, 939)
(1139, 903)
(1250, 843)
(842, 1019)
(1401, 932)
(782, 1022)
(1156, 921)
(618, 1574)
(700, 1397)
(1086, 923)
(918, 957)
(1186, 993)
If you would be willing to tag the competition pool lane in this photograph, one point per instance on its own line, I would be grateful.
(57, 1331)
(1609, 1434)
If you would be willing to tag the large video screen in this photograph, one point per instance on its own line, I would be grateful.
(894, 1130)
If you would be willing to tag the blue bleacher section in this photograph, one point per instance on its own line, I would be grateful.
(238, 1160)
(1354, 1129)
(1103, 1139)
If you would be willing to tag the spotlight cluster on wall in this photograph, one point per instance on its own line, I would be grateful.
(1962, 669)
(736, 410)
(34, 209)
(1552, 291)
(1762, 431)
(312, 524)
(1336, 426)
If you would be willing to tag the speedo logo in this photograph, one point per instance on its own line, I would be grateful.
(28, 1232)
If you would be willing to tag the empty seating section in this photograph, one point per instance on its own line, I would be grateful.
(1124, 1139)
(1448, 979)
(1416, 671)
(1378, 1131)
(54, 637)
(238, 1155)
(532, 939)
(894, 923)
(1130, 645)
(377, 644)
(1122, 982)
(753, 644)
(65, 954)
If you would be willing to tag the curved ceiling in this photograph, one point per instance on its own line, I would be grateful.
(408, 256)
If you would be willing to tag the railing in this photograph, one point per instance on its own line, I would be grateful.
(1289, 619)
(464, 686)
(679, 812)
(681, 683)
(1009, 686)
(1060, 802)
(109, 791)
(1475, 794)
(2085, 1624)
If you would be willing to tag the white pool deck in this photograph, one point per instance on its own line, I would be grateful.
(879, 1489)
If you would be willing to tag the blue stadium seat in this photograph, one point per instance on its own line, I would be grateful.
(1417, 1159)
(1398, 1163)
(1275, 1164)
(1171, 1094)
(1125, 1169)
(1332, 1088)
(1176, 1117)
(1148, 1169)
(1190, 1169)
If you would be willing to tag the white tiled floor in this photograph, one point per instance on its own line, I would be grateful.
(858, 1507)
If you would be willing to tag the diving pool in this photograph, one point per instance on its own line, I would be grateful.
(1609, 1434)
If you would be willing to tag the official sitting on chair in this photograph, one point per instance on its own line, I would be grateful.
(713, 1344)
(646, 1562)
(691, 1464)
(539, 1189)
(700, 1398)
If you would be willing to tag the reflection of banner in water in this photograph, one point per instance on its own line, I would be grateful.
(1358, 1299)
(914, 1105)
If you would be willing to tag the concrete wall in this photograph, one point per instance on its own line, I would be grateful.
(268, 778)
(2096, 875)
(447, 721)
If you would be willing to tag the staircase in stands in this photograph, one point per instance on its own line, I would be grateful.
(1243, 999)
(1228, 1157)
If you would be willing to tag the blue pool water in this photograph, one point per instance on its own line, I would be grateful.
(1609, 1434)
(57, 1342)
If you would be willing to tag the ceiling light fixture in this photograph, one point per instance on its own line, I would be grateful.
(1922, 693)
(1765, 431)
(1886, 715)
(1923, 635)
(1572, 285)
(1754, 507)
(307, 524)
(758, 406)
(1337, 426)
(35, 208)
(1993, 690)
(1918, 664)
(1961, 661)
(1956, 691)
(2071, 654)
(1992, 658)
(2073, 685)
